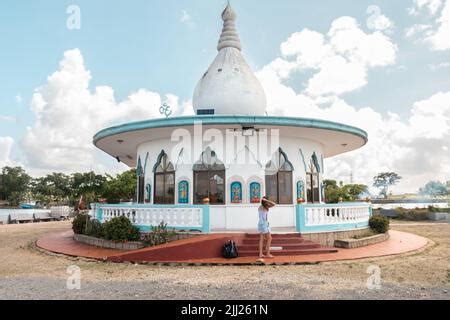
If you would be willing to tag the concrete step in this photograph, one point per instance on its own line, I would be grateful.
(322, 250)
(276, 240)
(288, 246)
(274, 235)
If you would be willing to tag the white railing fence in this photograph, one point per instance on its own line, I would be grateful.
(146, 216)
(332, 216)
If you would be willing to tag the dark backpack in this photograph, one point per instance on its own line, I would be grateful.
(229, 250)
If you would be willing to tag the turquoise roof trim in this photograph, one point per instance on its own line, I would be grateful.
(231, 120)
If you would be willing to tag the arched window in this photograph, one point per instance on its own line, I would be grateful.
(255, 192)
(312, 182)
(141, 181)
(164, 184)
(236, 192)
(183, 192)
(279, 179)
(301, 190)
(148, 189)
(209, 179)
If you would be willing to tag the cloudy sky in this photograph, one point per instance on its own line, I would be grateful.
(383, 66)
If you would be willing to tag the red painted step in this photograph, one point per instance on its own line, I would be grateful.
(274, 235)
(252, 253)
(276, 240)
(291, 244)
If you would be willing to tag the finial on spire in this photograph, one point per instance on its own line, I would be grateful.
(229, 36)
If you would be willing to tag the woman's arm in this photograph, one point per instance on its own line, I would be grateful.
(270, 203)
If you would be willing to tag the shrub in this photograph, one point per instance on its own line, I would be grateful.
(79, 223)
(437, 209)
(379, 223)
(159, 235)
(94, 229)
(416, 214)
(120, 229)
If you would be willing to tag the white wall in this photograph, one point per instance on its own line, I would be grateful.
(245, 217)
(235, 171)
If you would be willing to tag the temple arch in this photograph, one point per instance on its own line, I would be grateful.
(141, 182)
(164, 181)
(279, 178)
(313, 181)
(209, 178)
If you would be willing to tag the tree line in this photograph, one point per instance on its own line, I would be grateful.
(17, 186)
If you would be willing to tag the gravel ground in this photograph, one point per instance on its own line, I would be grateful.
(26, 273)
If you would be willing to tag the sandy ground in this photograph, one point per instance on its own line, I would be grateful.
(27, 273)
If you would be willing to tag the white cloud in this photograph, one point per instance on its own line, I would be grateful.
(437, 34)
(337, 76)
(187, 19)
(185, 16)
(6, 144)
(68, 114)
(440, 39)
(19, 99)
(442, 65)
(341, 58)
(432, 6)
(378, 21)
(7, 118)
(418, 29)
(309, 48)
(416, 146)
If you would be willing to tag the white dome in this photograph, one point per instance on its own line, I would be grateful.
(229, 86)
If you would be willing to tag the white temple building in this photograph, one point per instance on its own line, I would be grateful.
(208, 172)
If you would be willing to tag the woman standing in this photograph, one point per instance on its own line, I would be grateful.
(265, 240)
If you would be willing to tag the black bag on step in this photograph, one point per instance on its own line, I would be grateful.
(229, 250)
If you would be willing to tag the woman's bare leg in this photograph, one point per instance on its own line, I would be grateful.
(261, 245)
(268, 245)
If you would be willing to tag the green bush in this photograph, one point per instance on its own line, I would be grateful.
(416, 214)
(159, 235)
(79, 223)
(437, 209)
(94, 229)
(379, 223)
(120, 229)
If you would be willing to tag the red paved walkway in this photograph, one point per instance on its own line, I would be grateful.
(399, 242)
(64, 243)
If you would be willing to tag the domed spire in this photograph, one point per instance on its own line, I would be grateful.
(229, 85)
(229, 36)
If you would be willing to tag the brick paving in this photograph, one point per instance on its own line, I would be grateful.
(63, 243)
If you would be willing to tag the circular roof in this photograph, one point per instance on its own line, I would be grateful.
(122, 141)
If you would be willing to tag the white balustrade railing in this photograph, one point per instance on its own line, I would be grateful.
(178, 217)
(335, 214)
(341, 216)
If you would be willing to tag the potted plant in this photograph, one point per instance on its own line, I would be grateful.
(206, 200)
(300, 200)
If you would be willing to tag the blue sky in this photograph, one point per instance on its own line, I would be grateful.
(128, 45)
